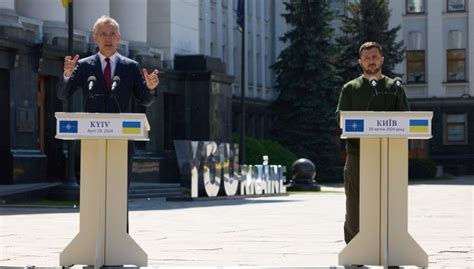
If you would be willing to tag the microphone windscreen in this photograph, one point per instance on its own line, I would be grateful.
(398, 81)
(373, 81)
(91, 78)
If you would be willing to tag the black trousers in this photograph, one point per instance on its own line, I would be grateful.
(131, 152)
(351, 187)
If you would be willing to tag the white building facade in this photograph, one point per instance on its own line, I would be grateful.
(438, 70)
(219, 37)
(438, 67)
(34, 42)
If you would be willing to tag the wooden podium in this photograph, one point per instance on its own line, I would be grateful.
(383, 237)
(102, 238)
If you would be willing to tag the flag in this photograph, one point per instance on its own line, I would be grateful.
(68, 126)
(241, 15)
(354, 125)
(66, 3)
(419, 126)
(131, 127)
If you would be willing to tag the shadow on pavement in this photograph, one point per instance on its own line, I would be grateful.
(142, 204)
(465, 180)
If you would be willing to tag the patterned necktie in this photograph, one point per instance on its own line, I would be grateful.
(108, 75)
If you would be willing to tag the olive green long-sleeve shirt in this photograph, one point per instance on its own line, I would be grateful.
(358, 95)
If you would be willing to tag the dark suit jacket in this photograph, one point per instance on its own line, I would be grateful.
(99, 100)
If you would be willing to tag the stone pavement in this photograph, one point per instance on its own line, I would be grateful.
(300, 230)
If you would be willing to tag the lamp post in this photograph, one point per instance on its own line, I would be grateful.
(69, 190)
(241, 22)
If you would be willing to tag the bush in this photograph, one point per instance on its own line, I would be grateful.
(256, 148)
(418, 168)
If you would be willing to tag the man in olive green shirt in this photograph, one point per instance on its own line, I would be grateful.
(359, 95)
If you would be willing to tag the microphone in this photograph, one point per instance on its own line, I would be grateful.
(115, 82)
(398, 84)
(90, 93)
(90, 82)
(373, 81)
(398, 81)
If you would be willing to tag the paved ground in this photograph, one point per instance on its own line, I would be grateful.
(297, 230)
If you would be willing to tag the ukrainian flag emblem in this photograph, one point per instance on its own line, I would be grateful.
(419, 126)
(131, 127)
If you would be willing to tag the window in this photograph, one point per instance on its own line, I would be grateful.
(416, 66)
(456, 65)
(456, 5)
(456, 128)
(415, 6)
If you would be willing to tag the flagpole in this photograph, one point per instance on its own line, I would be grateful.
(242, 87)
(70, 189)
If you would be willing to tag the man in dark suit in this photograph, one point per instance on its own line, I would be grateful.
(107, 78)
(96, 75)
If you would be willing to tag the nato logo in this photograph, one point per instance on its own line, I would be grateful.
(68, 126)
(354, 126)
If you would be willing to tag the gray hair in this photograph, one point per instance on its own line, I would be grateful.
(105, 20)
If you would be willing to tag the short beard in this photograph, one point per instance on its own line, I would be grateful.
(376, 71)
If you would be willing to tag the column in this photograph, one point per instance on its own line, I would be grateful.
(246, 51)
(206, 27)
(85, 16)
(470, 47)
(8, 4)
(51, 12)
(436, 55)
(253, 62)
(263, 66)
(8, 15)
(131, 15)
(174, 27)
(231, 24)
(220, 32)
(46, 10)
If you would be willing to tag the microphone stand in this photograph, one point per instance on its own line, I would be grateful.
(116, 101)
(373, 83)
(90, 85)
(115, 84)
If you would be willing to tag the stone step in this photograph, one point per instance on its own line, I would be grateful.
(154, 195)
(153, 190)
(21, 193)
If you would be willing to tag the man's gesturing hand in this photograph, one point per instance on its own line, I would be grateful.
(151, 79)
(69, 65)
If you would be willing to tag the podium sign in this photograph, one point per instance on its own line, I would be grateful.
(383, 237)
(101, 125)
(415, 125)
(102, 238)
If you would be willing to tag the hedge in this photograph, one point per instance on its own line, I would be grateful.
(419, 168)
(255, 149)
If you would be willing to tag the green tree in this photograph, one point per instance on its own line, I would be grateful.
(307, 85)
(367, 20)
